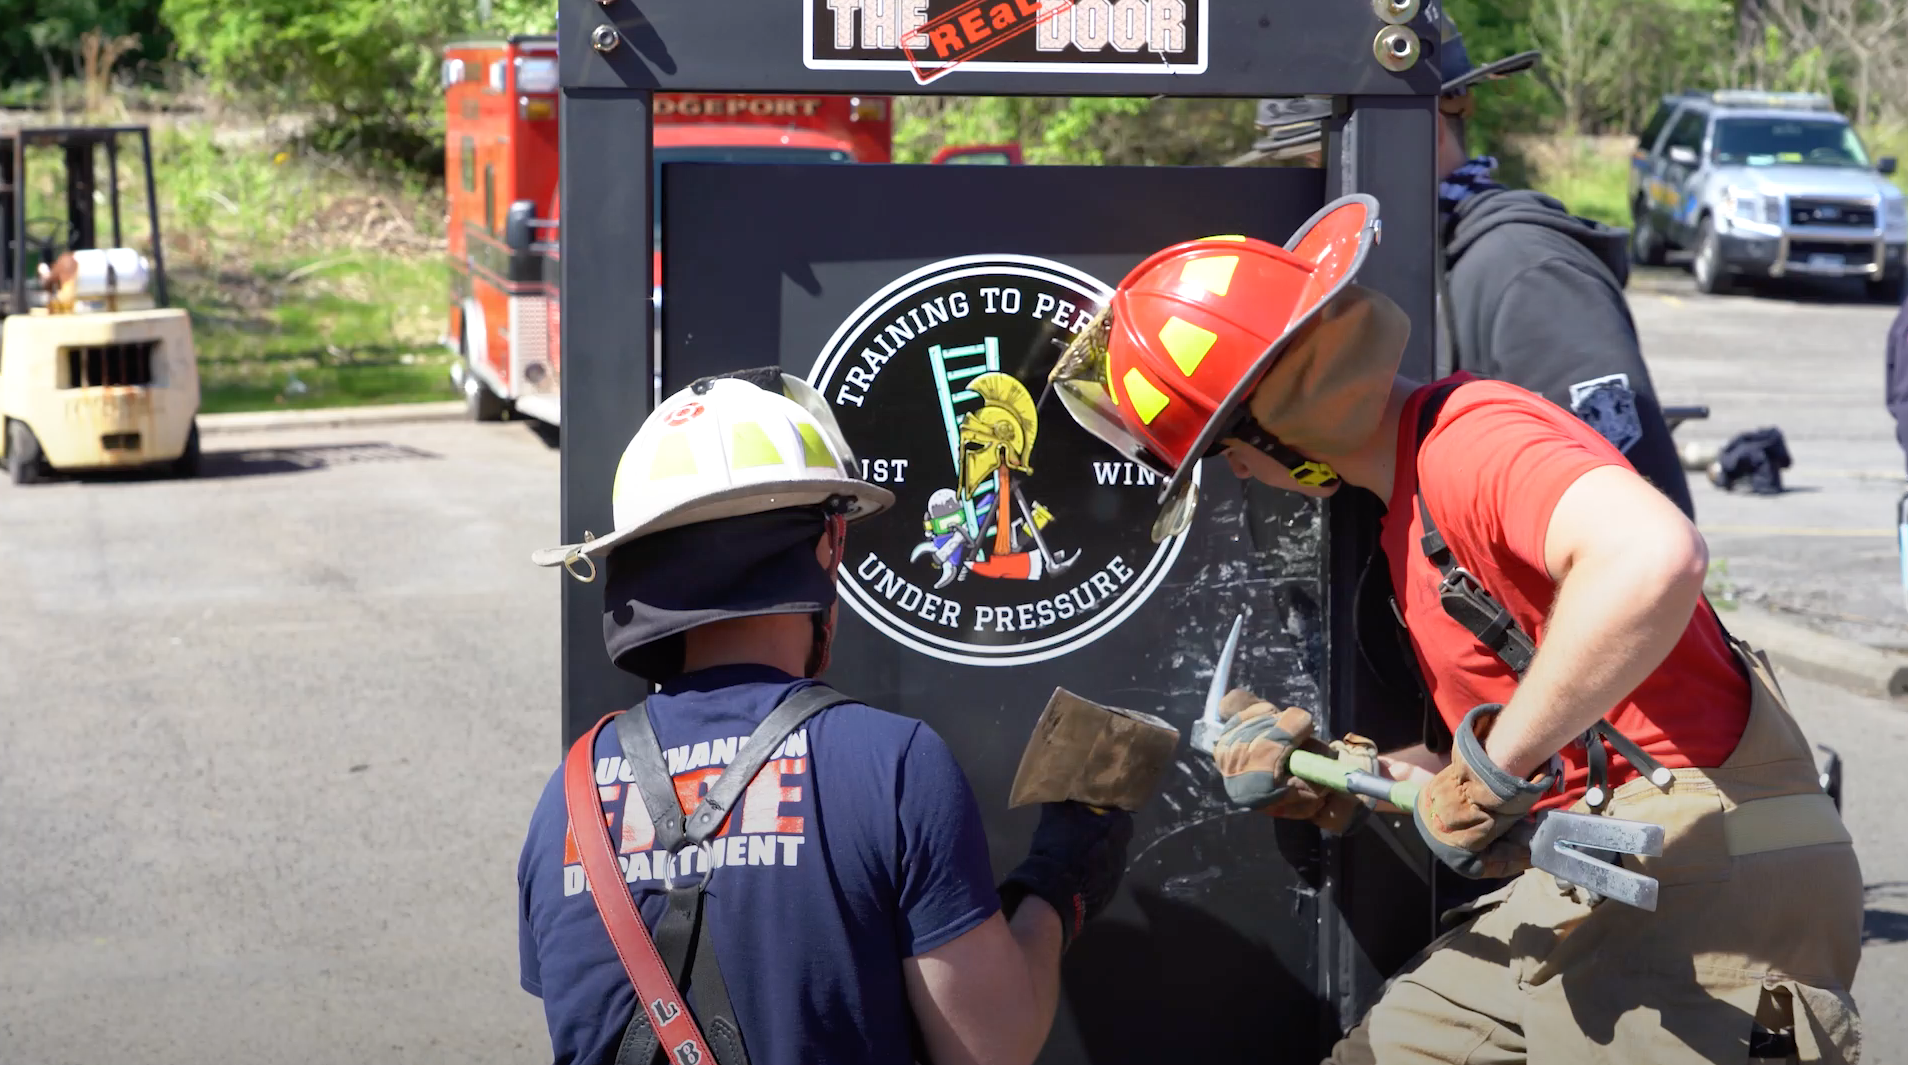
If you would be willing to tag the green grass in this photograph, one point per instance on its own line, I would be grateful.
(309, 285)
(366, 305)
(333, 331)
(249, 387)
(1893, 142)
(1590, 176)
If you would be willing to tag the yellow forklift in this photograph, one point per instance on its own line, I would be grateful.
(96, 372)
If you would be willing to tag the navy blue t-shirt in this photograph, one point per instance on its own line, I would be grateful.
(857, 846)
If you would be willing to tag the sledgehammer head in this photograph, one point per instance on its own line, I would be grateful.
(1098, 755)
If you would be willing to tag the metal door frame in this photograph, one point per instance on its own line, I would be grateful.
(614, 54)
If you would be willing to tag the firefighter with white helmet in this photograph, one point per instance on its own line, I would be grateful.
(1552, 600)
(812, 870)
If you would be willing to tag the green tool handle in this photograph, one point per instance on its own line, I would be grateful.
(1330, 773)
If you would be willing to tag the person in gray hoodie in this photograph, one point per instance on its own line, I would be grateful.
(1896, 384)
(1529, 293)
(1533, 295)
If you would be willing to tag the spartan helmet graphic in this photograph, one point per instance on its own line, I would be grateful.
(1000, 433)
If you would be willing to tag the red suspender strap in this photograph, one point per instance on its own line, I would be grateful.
(656, 993)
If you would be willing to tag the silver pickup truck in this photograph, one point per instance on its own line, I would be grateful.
(1765, 185)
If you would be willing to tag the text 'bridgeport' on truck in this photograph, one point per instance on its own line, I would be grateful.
(500, 178)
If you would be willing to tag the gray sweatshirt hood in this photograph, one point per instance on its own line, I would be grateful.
(1487, 210)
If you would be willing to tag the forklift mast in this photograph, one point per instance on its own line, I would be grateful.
(79, 150)
(7, 223)
(79, 194)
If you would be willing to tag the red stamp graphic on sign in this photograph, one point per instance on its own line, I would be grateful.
(973, 29)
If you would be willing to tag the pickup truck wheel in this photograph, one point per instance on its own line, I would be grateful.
(26, 463)
(1888, 289)
(1646, 244)
(1707, 267)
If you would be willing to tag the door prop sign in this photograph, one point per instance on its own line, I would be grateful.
(933, 37)
(1015, 536)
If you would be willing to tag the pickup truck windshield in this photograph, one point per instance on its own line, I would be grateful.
(739, 153)
(1787, 141)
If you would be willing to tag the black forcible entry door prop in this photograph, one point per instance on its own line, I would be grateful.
(1018, 555)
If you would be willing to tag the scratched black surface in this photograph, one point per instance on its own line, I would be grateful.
(1213, 944)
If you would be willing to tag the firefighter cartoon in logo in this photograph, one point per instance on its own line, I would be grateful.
(987, 526)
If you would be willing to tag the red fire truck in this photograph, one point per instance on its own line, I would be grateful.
(500, 178)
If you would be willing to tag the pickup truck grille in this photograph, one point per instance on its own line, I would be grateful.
(1832, 213)
(105, 365)
(1852, 254)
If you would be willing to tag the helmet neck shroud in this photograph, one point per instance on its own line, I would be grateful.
(660, 586)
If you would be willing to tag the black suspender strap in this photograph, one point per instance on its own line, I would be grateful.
(1460, 593)
(1472, 606)
(678, 935)
(640, 747)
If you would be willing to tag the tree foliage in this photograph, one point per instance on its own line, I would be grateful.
(42, 40)
(1119, 131)
(367, 68)
(1607, 62)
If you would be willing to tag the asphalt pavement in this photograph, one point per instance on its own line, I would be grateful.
(271, 736)
(1808, 360)
(271, 739)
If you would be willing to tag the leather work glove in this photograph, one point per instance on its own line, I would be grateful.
(1465, 811)
(1075, 864)
(1253, 749)
(1257, 743)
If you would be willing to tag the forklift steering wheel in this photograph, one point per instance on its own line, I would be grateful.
(50, 245)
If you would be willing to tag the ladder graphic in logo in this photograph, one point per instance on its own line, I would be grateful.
(970, 361)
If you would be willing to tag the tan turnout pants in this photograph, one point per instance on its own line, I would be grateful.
(1759, 922)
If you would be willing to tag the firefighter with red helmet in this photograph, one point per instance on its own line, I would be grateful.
(1553, 601)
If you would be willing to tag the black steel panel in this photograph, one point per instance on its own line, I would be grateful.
(1387, 147)
(1251, 48)
(606, 375)
(1216, 940)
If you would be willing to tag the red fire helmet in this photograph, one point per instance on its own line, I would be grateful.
(1165, 374)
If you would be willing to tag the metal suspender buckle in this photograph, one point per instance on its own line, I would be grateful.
(1458, 580)
(673, 876)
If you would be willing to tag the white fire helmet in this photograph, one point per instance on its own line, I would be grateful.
(724, 447)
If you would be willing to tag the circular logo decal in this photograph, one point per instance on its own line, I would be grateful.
(684, 414)
(1015, 535)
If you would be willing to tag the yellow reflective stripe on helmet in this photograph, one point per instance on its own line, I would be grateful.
(1148, 401)
(674, 457)
(749, 447)
(1228, 236)
(1214, 273)
(1314, 474)
(1186, 343)
(814, 451)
